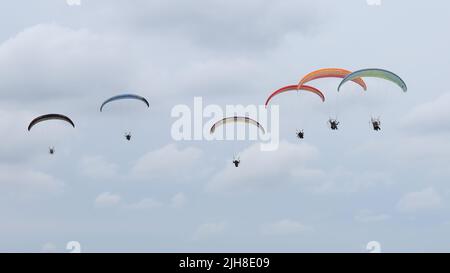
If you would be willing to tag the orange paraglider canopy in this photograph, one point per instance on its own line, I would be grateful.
(330, 73)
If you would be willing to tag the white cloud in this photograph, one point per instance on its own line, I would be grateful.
(179, 200)
(77, 61)
(428, 148)
(169, 163)
(284, 227)
(424, 200)
(220, 75)
(265, 169)
(206, 23)
(226, 51)
(21, 182)
(209, 230)
(98, 167)
(289, 165)
(107, 199)
(344, 180)
(144, 204)
(367, 216)
(110, 200)
(16, 141)
(49, 248)
(430, 117)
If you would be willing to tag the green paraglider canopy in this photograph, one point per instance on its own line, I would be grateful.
(375, 73)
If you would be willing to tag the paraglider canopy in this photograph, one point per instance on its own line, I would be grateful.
(330, 73)
(235, 120)
(295, 88)
(375, 73)
(123, 97)
(50, 117)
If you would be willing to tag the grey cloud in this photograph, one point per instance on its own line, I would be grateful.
(226, 25)
(285, 227)
(107, 200)
(50, 62)
(154, 166)
(209, 230)
(20, 182)
(419, 201)
(431, 117)
(54, 57)
(274, 168)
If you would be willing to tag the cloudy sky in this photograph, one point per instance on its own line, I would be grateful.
(332, 192)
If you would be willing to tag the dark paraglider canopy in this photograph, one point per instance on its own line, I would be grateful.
(124, 97)
(50, 117)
